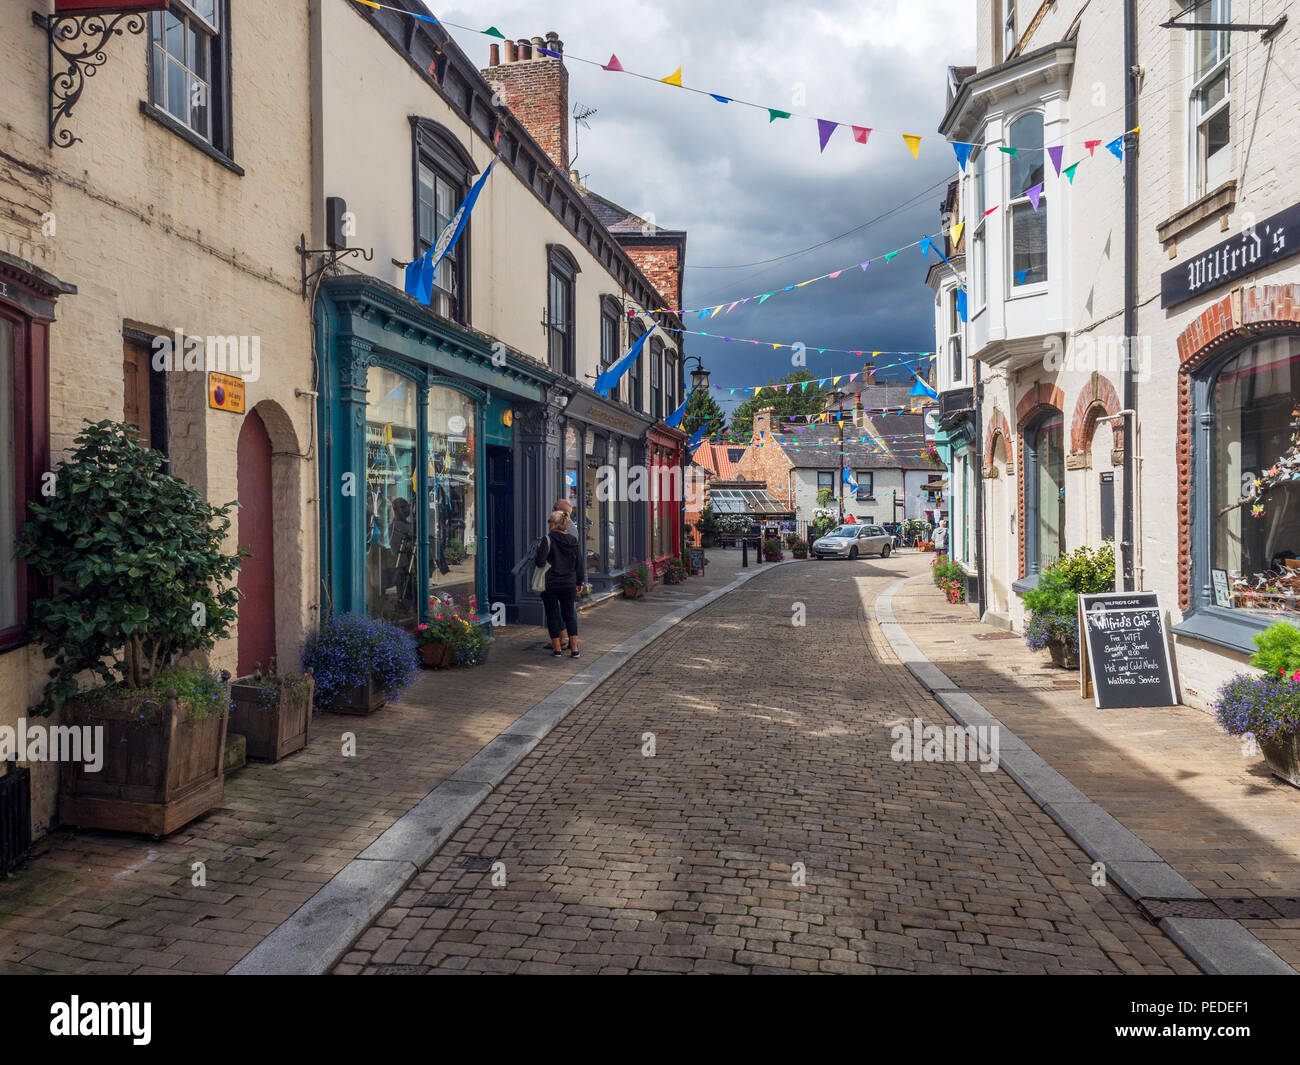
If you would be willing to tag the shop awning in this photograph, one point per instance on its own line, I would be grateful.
(756, 502)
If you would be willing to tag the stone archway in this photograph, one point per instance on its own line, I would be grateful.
(1097, 399)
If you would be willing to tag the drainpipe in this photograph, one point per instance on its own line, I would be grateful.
(1130, 277)
(980, 588)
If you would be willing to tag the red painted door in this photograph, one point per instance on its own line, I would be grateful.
(257, 573)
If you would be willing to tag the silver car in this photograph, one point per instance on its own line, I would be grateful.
(852, 541)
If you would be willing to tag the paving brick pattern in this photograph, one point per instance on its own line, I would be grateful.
(96, 902)
(1170, 774)
(772, 747)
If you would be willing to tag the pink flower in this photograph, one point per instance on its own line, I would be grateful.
(1296, 675)
(421, 628)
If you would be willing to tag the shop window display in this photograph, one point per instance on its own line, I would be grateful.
(1255, 467)
(391, 478)
(453, 545)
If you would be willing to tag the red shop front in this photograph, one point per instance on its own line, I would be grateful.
(665, 456)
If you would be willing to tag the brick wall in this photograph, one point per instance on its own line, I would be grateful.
(537, 92)
(662, 265)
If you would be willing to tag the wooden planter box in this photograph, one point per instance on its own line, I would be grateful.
(158, 774)
(364, 699)
(1062, 656)
(630, 593)
(435, 655)
(274, 721)
(1283, 757)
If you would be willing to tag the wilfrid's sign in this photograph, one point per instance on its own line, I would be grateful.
(1260, 245)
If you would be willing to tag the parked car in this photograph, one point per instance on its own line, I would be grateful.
(853, 541)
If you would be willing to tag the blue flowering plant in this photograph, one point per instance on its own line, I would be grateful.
(351, 650)
(1053, 604)
(1266, 704)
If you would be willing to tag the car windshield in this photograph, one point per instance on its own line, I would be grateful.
(844, 530)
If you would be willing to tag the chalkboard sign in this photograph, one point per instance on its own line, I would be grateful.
(1127, 650)
(697, 560)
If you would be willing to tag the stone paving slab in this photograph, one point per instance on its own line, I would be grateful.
(285, 831)
(1223, 825)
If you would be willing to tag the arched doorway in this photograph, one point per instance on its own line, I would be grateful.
(255, 535)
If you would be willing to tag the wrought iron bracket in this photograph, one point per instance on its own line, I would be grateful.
(78, 42)
(332, 256)
(1264, 29)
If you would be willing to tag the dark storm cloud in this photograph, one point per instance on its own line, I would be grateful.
(748, 190)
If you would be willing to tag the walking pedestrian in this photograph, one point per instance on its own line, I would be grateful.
(566, 507)
(567, 574)
(941, 536)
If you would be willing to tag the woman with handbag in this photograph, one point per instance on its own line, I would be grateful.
(561, 571)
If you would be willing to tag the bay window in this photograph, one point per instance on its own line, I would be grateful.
(975, 219)
(955, 353)
(1028, 224)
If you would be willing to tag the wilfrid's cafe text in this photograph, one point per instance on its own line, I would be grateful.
(1257, 246)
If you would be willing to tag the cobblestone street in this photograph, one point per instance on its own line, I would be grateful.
(771, 759)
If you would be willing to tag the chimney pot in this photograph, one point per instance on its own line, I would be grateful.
(525, 49)
(494, 55)
(538, 42)
(512, 51)
(573, 176)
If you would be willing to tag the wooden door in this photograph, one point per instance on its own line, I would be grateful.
(255, 535)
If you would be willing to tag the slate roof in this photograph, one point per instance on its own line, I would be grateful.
(904, 432)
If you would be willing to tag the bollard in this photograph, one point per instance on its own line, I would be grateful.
(744, 553)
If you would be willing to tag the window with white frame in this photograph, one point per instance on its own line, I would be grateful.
(975, 219)
(1026, 221)
(866, 485)
(1209, 105)
(187, 65)
(955, 353)
(1008, 28)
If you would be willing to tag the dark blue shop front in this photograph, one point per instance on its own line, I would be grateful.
(429, 461)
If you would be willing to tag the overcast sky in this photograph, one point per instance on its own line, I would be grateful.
(747, 190)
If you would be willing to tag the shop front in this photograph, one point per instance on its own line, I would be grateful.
(418, 492)
(601, 451)
(666, 456)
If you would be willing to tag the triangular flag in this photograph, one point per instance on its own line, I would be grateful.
(1034, 192)
(825, 127)
(675, 78)
(1010, 151)
(961, 303)
(889, 255)
(613, 64)
(492, 31)
(764, 298)
(1069, 171)
(805, 386)
(547, 51)
(1091, 146)
(773, 114)
(994, 208)
(865, 265)
(861, 133)
(925, 248)
(954, 234)
(1020, 276)
(1054, 153)
(913, 142)
(715, 311)
(721, 99)
(1116, 147)
(963, 151)
(729, 309)
(834, 275)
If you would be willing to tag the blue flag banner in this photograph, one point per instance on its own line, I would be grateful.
(921, 388)
(961, 303)
(963, 153)
(675, 419)
(419, 274)
(605, 382)
(695, 440)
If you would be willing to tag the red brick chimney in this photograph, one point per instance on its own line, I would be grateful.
(535, 87)
(763, 423)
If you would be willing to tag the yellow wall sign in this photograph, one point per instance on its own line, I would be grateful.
(226, 393)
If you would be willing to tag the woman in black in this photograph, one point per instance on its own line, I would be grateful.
(568, 572)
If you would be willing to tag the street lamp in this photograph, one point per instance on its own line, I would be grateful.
(699, 375)
(837, 397)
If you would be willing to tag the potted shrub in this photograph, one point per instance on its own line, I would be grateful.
(949, 577)
(140, 586)
(772, 551)
(707, 527)
(636, 580)
(272, 711)
(799, 548)
(359, 663)
(674, 571)
(1267, 704)
(1054, 604)
(454, 635)
(454, 552)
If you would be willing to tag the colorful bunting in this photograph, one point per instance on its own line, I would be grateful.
(954, 234)
(861, 133)
(1054, 153)
(961, 303)
(721, 99)
(491, 31)
(925, 248)
(913, 142)
(963, 151)
(1069, 171)
(1091, 146)
(889, 256)
(1116, 147)
(1013, 152)
(773, 114)
(613, 64)
(990, 210)
(1034, 192)
(675, 78)
(824, 130)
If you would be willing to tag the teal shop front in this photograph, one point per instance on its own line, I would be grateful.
(419, 493)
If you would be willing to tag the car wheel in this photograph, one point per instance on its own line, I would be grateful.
(884, 551)
(853, 553)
